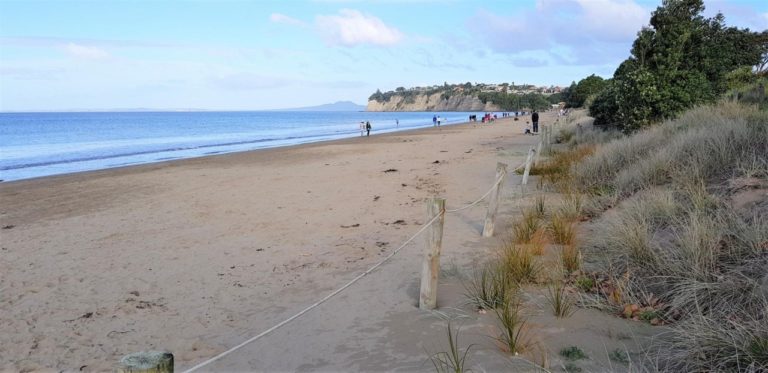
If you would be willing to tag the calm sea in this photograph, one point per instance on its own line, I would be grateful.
(43, 144)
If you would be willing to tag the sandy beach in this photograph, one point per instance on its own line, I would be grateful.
(196, 256)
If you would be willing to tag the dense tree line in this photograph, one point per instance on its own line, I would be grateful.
(683, 59)
(519, 102)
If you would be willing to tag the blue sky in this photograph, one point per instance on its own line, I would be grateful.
(252, 55)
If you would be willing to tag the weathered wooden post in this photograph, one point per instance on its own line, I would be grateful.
(430, 268)
(528, 166)
(493, 204)
(146, 362)
(538, 147)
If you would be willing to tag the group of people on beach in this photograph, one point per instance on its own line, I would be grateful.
(436, 121)
(365, 128)
(535, 120)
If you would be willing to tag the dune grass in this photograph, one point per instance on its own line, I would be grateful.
(454, 359)
(512, 334)
(675, 249)
(559, 300)
(525, 229)
(676, 237)
(488, 287)
(561, 230)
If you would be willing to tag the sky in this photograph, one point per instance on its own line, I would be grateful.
(256, 55)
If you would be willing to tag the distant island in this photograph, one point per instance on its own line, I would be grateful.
(466, 97)
(336, 106)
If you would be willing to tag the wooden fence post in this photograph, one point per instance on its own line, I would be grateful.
(430, 268)
(493, 204)
(538, 147)
(528, 166)
(548, 146)
(146, 362)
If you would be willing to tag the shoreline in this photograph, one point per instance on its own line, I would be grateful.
(225, 154)
(195, 255)
(174, 159)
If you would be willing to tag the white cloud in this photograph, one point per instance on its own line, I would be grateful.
(509, 33)
(351, 28)
(594, 31)
(282, 18)
(85, 52)
(612, 19)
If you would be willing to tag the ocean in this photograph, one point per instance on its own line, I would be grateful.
(43, 144)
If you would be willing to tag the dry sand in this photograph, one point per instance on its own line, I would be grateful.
(196, 256)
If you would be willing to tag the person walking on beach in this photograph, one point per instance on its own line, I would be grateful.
(397, 123)
(535, 120)
(362, 128)
(434, 121)
(368, 128)
(438, 121)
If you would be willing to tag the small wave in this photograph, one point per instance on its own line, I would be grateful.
(154, 151)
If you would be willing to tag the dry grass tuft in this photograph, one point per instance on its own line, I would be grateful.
(561, 230)
(519, 263)
(570, 258)
(525, 229)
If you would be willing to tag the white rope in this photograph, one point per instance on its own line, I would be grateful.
(339, 290)
(321, 301)
(479, 199)
(484, 195)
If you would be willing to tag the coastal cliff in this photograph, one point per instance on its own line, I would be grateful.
(431, 102)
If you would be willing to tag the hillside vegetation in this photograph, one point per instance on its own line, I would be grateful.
(465, 97)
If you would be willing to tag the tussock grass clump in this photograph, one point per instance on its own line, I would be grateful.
(561, 230)
(538, 242)
(512, 334)
(570, 258)
(519, 263)
(572, 206)
(556, 170)
(736, 342)
(525, 229)
(559, 300)
(585, 133)
(489, 287)
(539, 207)
(629, 235)
(453, 360)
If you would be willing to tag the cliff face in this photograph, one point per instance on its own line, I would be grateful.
(433, 102)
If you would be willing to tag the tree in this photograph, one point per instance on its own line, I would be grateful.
(378, 96)
(586, 87)
(681, 60)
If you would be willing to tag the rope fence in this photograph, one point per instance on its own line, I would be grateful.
(428, 294)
